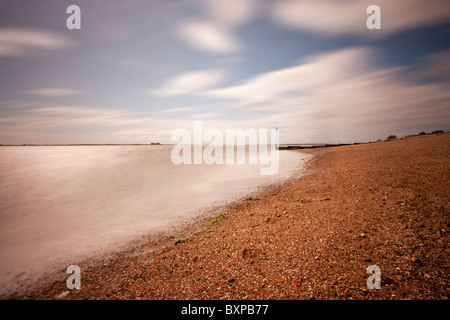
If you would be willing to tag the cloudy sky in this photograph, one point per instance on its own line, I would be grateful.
(139, 69)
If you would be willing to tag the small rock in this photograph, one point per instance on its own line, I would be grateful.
(363, 235)
(296, 283)
(231, 280)
(416, 260)
(427, 276)
(387, 281)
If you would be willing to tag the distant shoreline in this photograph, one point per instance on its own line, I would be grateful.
(84, 145)
(282, 146)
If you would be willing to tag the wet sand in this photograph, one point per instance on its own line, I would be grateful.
(312, 237)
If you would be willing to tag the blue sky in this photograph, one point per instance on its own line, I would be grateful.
(137, 70)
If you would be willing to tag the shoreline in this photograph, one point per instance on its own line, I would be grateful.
(310, 237)
(149, 243)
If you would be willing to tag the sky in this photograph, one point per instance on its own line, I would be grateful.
(138, 70)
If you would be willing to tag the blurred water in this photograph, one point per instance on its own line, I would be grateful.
(59, 204)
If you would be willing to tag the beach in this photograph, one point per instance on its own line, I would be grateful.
(382, 204)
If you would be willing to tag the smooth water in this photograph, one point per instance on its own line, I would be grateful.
(59, 204)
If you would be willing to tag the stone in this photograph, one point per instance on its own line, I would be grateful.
(62, 295)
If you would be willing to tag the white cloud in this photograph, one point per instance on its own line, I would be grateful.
(190, 82)
(340, 95)
(176, 110)
(53, 92)
(316, 71)
(81, 117)
(329, 17)
(79, 111)
(214, 30)
(67, 124)
(15, 41)
(209, 37)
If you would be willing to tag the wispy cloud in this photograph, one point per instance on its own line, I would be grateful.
(79, 110)
(190, 82)
(210, 37)
(176, 110)
(53, 92)
(338, 95)
(15, 41)
(316, 71)
(333, 18)
(214, 31)
(38, 123)
(231, 13)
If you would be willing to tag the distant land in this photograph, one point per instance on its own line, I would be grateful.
(282, 146)
(85, 144)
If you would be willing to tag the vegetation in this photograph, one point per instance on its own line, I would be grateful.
(422, 133)
(217, 219)
(212, 222)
